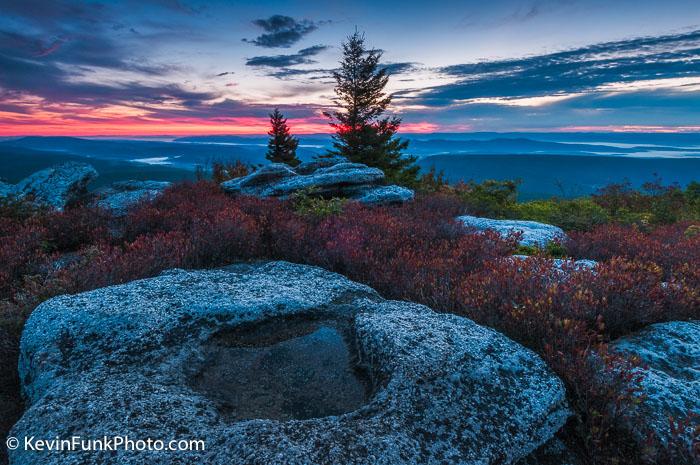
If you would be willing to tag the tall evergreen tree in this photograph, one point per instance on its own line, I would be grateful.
(282, 146)
(362, 133)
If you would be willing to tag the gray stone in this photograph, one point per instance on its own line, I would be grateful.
(158, 358)
(124, 194)
(58, 186)
(670, 355)
(334, 177)
(533, 233)
(383, 195)
(254, 183)
(561, 264)
(311, 166)
(6, 189)
(327, 181)
(554, 452)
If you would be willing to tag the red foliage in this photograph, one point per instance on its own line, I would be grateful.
(416, 252)
(667, 246)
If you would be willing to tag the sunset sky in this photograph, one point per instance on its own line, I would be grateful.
(169, 67)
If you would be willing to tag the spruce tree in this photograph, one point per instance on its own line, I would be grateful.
(362, 133)
(282, 146)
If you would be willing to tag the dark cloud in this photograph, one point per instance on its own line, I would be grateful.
(571, 71)
(225, 73)
(310, 74)
(302, 57)
(282, 31)
(400, 68)
(70, 39)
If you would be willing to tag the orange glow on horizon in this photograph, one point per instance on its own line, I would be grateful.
(125, 126)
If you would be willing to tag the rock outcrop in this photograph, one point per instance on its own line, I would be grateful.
(532, 233)
(562, 264)
(324, 177)
(553, 452)
(670, 355)
(123, 194)
(54, 187)
(223, 356)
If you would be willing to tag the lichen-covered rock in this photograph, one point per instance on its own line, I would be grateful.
(324, 177)
(143, 359)
(257, 181)
(532, 232)
(6, 189)
(58, 186)
(561, 264)
(331, 180)
(383, 195)
(670, 355)
(309, 167)
(123, 194)
(554, 452)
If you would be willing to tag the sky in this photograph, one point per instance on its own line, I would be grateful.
(178, 67)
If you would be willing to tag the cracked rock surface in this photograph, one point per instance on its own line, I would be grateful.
(135, 359)
(334, 177)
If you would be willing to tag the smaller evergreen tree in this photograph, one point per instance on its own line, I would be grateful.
(282, 146)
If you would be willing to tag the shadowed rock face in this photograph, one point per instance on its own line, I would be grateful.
(325, 177)
(283, 369)
(54, 187)
(251, 359)
(670, 353)
(532, 232)
(123, 194)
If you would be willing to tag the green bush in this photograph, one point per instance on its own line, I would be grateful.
(577, 214)
(307, 204)
(494, 199)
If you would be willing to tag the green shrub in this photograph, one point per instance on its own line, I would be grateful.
(494, 199)
(577, 214)
(553, 249)
(433, 181)
(307, 204)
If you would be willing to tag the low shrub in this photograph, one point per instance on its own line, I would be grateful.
(576, 214)
(494, 199)
(415, 251)
(307, 204)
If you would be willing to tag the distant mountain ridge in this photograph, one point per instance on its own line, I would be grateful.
(572, 165)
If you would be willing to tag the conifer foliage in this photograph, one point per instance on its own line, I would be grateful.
(362, 133)
(282, 146)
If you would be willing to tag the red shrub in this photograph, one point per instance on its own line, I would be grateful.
(415, 251)
(71, 229)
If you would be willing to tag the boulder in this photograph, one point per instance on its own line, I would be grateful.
(562, 264)
(6, 189)
(327, 181)
(123, 194)
(278, 363)
(383, 195)
(56, 187)
(554, 452)
(670, 356)
(257, 181)
(309, 167)
(329, 177)
(532, 233)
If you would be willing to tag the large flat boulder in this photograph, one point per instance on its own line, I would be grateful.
(670, 356)
(333, 177)
(55, 187)
(532, 233)
(122, 195)
(277, 363)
